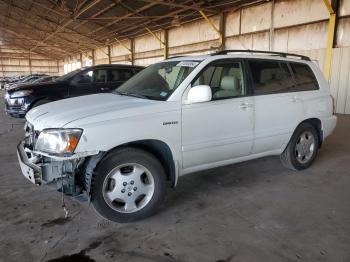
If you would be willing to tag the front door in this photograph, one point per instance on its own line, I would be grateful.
(89, 82)
(220, 130)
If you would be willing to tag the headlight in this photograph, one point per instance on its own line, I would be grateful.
(21, 93)
(58, 141)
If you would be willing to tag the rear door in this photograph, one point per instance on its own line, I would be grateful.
(89, 82)
(118, 76)
(278, 108)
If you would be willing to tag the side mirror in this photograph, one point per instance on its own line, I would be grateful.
(199, 94)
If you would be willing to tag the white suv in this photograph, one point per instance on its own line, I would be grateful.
(176, 117)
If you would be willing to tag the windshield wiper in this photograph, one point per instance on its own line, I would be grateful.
(133, 95)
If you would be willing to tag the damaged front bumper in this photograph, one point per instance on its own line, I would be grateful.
(29, 167)
(40, 169)
(72, 175)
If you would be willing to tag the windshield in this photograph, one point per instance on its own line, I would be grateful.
(25, 79)
(158, 81)
(69, 75)
(29, 80)
(43, 79)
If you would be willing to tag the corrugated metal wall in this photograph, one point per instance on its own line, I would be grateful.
(340, 79)
(15, 61)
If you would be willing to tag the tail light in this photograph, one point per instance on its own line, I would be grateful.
(333, 104)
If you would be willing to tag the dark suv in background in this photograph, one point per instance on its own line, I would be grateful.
(83, 81)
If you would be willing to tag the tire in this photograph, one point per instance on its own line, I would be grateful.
(299, 155)
(129, 185)
(41, 102)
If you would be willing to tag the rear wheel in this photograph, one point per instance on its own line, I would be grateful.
(302, 148)
(129, 185)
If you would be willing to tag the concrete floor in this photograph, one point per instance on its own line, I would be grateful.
(253, 211)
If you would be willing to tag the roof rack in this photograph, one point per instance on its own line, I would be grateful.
(176, 56)
(225, 52)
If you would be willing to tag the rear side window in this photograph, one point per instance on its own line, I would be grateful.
(304, 77)
(270, 77)
(121, 74)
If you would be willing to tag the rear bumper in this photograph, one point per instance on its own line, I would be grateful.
(328, 125)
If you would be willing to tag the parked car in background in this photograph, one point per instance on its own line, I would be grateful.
(176, 117)
(25, 80)
(5, 82)
(83, 81)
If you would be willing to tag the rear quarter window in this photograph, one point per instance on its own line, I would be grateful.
(305, 79)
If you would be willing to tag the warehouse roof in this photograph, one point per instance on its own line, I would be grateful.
(57, 28)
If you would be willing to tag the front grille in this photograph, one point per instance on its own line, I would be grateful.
(15, 108)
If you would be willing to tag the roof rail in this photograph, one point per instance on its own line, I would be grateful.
(176, 56)
(225, 52)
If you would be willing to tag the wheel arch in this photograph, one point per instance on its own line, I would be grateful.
(157, 148)
(317, 124)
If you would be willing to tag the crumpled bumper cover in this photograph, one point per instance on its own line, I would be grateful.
(29, 168)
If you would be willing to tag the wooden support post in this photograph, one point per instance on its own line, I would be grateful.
(214, 27)
(272, 26)
(132, 43)
(109, 54)
(131, 49)
(330, 37)
(93, 56)
(2, 64)
(58, 67)
(163, 43)
(30, 64)
(222, 29)
(166, 44)
(81, 59)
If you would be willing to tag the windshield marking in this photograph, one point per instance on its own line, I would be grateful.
(188, 64)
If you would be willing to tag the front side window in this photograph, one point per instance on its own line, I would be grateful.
(270, 77)
(69, 75)
(225, 79)
(304, 77)
(158, 81)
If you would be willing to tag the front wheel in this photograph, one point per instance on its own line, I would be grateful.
(302, 148)
(129, 185)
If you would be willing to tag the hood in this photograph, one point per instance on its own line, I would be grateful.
(30, 86)
(88, 109)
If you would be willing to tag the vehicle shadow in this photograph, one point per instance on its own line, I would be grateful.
(246, 175)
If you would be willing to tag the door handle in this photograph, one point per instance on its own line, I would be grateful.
(245, 105)
(104, 88)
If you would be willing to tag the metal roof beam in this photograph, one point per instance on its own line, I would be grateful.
(68, 21)
(122, 17)
(194, 6)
